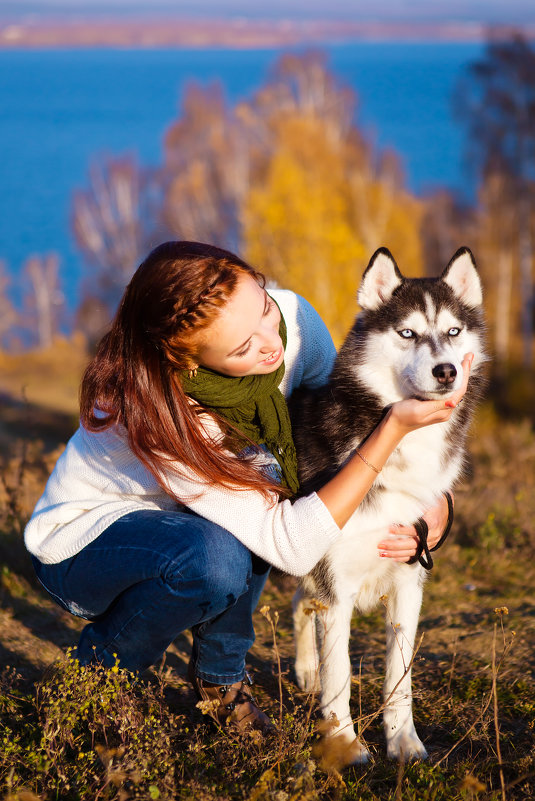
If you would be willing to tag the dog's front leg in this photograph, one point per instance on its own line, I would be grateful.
(335, 674)
(307, 669)
(403, 609)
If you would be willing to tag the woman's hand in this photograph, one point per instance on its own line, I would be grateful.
(403, 541)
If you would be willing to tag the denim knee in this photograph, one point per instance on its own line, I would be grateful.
(218, 564)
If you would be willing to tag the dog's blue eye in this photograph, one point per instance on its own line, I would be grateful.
(454, 332)
(407, 333)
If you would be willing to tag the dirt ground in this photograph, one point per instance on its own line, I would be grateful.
(460, 627)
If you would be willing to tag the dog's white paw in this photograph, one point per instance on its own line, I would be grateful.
(307, 676)
(340, 751)
(357, 754)
(406, 746)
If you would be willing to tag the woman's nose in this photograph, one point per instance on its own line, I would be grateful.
(271, 342)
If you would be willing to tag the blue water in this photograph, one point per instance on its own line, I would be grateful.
(61, 110)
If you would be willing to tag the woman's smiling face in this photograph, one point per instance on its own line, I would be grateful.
(244, 339)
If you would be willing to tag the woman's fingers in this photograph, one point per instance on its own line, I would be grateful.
(399, 547)
(402, 541)
(436, 518)
(458, 395)
(405, 539)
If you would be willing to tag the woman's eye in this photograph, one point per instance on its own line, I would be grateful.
(269, 307)
(454, 332)
(407, 333)
(245, 350)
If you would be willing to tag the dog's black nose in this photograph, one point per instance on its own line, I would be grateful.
(445, 373)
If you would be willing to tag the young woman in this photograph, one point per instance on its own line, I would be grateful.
(174, 497)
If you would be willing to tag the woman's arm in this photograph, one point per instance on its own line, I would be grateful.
(344, 493)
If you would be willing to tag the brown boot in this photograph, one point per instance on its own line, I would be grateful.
(230, 704)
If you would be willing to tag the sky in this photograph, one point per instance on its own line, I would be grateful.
(483, 11)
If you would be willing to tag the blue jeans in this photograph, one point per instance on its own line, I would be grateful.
(150, 576)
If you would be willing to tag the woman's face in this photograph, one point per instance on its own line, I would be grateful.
(244, 338)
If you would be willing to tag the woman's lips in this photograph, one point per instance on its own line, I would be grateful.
(274, 357)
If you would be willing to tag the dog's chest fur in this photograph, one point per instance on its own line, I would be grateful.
(410, 482)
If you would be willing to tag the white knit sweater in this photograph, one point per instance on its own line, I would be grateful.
(98, 479)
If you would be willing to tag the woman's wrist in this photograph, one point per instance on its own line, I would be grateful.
(346, 490)
(391, 429)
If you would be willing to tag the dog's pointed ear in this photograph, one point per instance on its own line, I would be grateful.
(461, 275)
(379, 281)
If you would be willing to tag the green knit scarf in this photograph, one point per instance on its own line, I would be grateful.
(255, 405)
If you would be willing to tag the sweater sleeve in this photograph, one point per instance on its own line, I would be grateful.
(290, 536)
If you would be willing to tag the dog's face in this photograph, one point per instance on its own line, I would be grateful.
(417, 331)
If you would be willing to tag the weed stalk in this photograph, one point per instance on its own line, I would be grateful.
(273, 620)
(495, 670)
(499, 611)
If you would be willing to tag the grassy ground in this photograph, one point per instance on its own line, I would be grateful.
(74, 733)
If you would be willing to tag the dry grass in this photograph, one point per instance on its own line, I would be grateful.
(49, 379)
(77, 733)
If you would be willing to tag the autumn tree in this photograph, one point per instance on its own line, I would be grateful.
(285, 179)
(384, 212)
(496, 102)
(324, 201)
(44, 298)
(206, 172)
(497, 237)
(448, 223)
(8, 315)
(297, 222)
(110, 226)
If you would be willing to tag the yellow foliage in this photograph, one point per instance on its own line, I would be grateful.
(290, 179)
(296, 224)
(313, 219)
(398, 219)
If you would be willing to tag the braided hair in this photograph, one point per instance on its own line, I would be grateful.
(174, 295)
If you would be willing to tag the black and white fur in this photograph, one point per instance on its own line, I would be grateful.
(408, 342)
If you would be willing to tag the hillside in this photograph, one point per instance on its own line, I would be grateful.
(73, 733)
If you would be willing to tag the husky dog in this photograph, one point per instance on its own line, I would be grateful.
(408, 342)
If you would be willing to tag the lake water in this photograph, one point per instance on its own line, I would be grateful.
(60, 110)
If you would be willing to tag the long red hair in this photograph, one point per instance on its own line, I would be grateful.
(177, 291)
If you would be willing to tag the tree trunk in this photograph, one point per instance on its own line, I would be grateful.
(503, 308)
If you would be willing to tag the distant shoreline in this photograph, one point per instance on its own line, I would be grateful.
(236, 33)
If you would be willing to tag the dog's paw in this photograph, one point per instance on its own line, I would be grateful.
(307, 677)
(406, 746)
(340, 752)
(357, 754)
